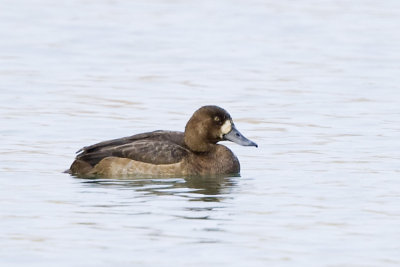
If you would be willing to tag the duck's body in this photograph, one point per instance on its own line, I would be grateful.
(165, 153)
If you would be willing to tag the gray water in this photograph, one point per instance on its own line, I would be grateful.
(314, 83)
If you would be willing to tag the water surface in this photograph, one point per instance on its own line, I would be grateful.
(314, 83)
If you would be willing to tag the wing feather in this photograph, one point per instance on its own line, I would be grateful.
(159, 147)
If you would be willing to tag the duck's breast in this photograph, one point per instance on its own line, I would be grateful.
(220, 160)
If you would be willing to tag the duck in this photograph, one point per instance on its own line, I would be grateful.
(167, 153)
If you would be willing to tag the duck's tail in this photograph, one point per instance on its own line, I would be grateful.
(80, 167)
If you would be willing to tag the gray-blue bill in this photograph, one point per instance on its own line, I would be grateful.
(235, 136)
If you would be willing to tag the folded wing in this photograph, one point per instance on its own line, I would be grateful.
(159, 147)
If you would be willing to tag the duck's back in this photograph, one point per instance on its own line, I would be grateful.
(158, 147)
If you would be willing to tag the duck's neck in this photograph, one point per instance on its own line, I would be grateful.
(197, 144)
(196, 136)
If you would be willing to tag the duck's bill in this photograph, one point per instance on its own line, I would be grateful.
(235, 136)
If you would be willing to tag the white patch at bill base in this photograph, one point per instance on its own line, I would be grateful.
(226, 127)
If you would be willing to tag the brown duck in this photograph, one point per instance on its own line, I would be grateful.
(166, 153)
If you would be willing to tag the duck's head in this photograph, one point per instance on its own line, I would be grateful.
(209, 125)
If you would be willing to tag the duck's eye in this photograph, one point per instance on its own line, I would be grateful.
(217, 119)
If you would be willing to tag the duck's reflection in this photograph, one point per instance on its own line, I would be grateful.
(196, 188)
